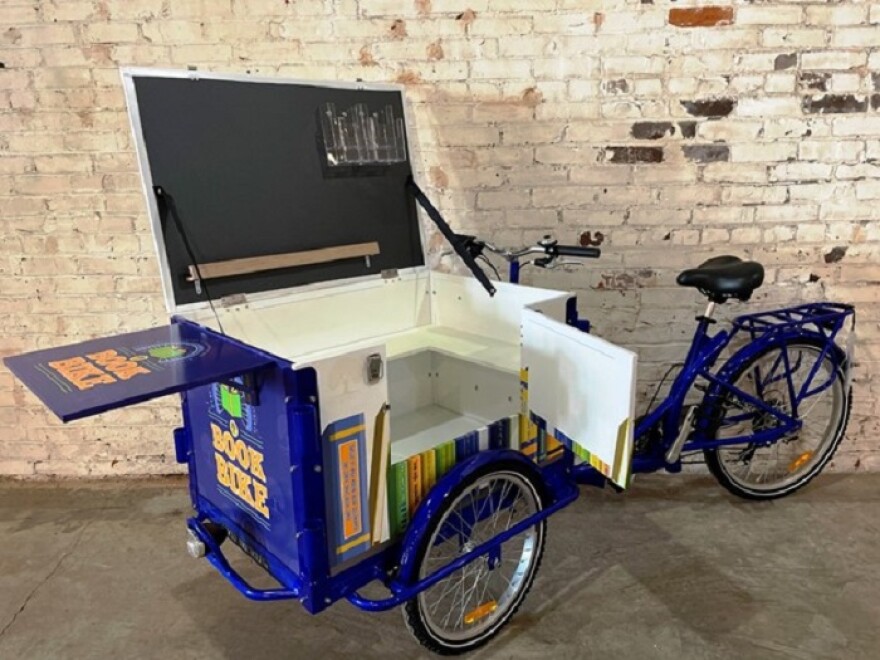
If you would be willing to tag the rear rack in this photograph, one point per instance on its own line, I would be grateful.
(827, 317)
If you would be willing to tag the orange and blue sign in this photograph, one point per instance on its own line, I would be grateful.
(95, 376)
(345, 449)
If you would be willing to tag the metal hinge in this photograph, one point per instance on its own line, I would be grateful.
(233, 300)
(389, 273)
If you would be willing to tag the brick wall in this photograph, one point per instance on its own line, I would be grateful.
(664, 132)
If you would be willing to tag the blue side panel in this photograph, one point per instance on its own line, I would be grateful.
(241, 464)
(95, 376)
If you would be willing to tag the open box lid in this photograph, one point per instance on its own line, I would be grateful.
(276, 183)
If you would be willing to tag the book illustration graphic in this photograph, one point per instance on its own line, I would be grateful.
(173, 352)
(226, 401)
(347, 493)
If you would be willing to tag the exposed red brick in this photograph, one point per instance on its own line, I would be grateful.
(366, 57)
(398, 28)
(408, 77)
(423, 7)
(466, 17)
(532, 96)
(588, 239)
(700, 16)
(598, 19)
(435, 50)
(439, 178)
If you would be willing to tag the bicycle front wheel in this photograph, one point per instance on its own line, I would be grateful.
(471, 605)
(774, 470)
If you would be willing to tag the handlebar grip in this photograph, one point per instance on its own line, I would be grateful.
(578, 251)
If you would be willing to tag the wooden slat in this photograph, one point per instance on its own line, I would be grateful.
(233, 267)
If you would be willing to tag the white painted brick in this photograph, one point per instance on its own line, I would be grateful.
(829, 151)
(788, 214)
(730, 130)
(519, 69)
(856, 126)
(768, 106)
(516, 114)
(833, 59)
(848, 14)
(780, 83)
(622, 65)
(763, 152)
(846, 82)
(794, 38)
(802, 172)
(768, 15)
(856, 37)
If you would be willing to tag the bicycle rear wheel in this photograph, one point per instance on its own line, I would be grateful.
(471, 605)
(774, 470)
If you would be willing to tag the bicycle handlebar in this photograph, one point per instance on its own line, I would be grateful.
(546, 250)
(578, 251)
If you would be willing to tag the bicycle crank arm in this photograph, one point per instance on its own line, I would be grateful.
(674, 451)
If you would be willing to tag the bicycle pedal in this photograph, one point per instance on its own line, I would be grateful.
(674, 451)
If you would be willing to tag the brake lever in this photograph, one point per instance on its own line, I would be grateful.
(551, 263)
(566, 262)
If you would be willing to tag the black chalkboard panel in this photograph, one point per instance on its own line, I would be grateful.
(245, 166)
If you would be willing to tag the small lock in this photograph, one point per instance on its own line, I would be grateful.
(375, 368)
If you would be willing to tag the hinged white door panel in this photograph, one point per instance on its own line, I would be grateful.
(581, 389)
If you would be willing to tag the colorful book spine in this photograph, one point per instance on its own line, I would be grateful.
(513, 430)
(483, 438)
(466, 446)
(499, 432)
(345, 449)
(445, 458)
(554, 447)
(528, 431)
(410, 480)
(398, 498)
(429, 471)
(414, 485)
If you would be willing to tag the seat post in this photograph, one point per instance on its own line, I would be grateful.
(710, 310)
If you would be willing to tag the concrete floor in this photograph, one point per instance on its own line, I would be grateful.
(675, 568)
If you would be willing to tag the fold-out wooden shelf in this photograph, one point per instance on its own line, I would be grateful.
(250, 265)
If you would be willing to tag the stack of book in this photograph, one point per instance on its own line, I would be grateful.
(410, 479)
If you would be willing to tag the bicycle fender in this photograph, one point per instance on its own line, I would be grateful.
(430, 506)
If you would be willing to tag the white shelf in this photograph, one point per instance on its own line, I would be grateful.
(474, 348)
(421, 429)
(479, 349)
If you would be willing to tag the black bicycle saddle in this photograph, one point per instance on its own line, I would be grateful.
(723, 278)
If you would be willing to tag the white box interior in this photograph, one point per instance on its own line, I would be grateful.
(436, 397)
(453, 353)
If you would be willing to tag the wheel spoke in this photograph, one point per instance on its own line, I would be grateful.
(477, 593)
(777, 465)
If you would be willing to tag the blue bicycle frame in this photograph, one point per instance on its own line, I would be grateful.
(816, 322)
(396, 566)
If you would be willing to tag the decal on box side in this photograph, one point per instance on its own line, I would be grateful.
(345, 446)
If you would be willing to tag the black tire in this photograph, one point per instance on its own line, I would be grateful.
(416, 611)
(834, 433)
